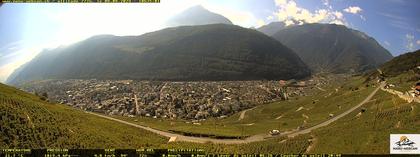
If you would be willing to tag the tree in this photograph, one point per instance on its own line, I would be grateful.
(44, 96)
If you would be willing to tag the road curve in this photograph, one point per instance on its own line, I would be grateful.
(254, 138)
(329, 121)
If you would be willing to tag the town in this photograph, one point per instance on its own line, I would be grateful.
(160, 99)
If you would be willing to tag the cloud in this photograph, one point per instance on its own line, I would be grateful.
(327, 3)
(238, 17)
(8, 68)
(398, 21)
(280, 2)
(418, 42)
(260, 23)
(353, 9)
(289, 12)
(10, 51)
(409, 42)
(362, 17)
(338, 14)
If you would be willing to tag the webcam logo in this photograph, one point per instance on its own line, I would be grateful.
(404, 143)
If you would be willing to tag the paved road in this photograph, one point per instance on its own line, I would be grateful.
(253, 138)
(329, 121)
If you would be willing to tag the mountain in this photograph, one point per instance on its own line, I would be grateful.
(205, 52)
(26, 121)
(197, 15)
(272, 28)
(333, 48)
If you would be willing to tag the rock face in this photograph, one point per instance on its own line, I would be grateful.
(197, 15)
(333, 48)
(206, 52)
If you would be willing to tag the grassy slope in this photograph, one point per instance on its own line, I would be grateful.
(28, 122)
(369, 132)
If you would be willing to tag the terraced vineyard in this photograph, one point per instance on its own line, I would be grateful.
(28, 122)
(277, 145)
(368, 130)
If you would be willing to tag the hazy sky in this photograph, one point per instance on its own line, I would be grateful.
(26, 29)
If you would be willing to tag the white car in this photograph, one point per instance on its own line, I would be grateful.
(274, 132)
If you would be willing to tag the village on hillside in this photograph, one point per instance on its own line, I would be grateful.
(159, 99)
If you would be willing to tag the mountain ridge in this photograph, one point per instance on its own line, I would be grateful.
(206, 52)
(333, 48)
(197, 15)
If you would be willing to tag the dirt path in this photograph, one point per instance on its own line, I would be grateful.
(321, 89)
(313, 141)
(254, 138)
(242, 116)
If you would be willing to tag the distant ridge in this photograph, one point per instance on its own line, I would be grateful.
(272, 28)
(333, 48)
(197, 15)
(188, 53)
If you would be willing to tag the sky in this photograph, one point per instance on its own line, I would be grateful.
(27, 29)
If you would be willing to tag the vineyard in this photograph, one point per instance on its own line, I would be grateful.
(389, 113)
(28, 122)
(275, 146)
(369, 132)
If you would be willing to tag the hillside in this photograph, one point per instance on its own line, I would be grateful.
(207, 52)
(197, 15)
(28, 122)
(405, 64)
(333, 48)
(402, 64)
(386, 114)
(271, 28)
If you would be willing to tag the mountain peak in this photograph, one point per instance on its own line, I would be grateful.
(197, 15)
(271, 28)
